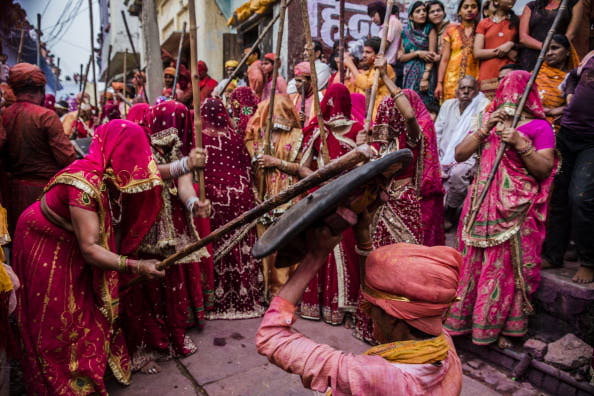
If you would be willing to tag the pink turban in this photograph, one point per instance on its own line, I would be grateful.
(24, 75)
(413, 282)
(303, 69)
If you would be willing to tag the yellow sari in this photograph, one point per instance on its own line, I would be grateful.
(461, 63)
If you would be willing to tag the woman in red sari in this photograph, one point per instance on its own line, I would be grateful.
(239, 283)
(334, 291)
(502, 248)
(64, 254)
(428, 175)
(242, 105)
(158, 313)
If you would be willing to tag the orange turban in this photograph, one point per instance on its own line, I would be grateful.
(303, 69)
(413, 282)
(24, 75)
(169, 70)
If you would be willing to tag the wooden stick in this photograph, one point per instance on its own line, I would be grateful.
(136, 57)
(277, 60)
(38, 40)
(107, 71)
(20, 51)
(82, 98)
(303, 104)
(375, 86)
(93, 53)
(333, 169)
(199, 174)
(502, 146)
(124, 79)
(252, 49)
(179, 51)
(314, 80)
(80, 79)
(341, 41)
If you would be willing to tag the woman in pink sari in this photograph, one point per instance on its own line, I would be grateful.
(502, 247)
(334, 291)
(358, 110)
(239, 287)
(64, 254)
(158, 313)
(428, 175)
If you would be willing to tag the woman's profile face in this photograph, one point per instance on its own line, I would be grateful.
(419, 15)
(556, 55)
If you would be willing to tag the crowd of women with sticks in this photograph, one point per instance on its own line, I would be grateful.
(115, 256)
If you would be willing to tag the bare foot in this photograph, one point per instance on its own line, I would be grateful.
(503, 342)
(151, 368)
(584, 275)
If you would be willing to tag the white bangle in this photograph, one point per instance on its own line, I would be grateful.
(179, 167)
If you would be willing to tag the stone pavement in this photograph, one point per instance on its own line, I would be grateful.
(236, 368)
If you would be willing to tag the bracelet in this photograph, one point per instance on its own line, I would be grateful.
(132, 269)
(365, 245)
(179, 167)
(190, 202)
(122, 267)
(362, 252)
(529, 153)
(399, 94)
(526, 149)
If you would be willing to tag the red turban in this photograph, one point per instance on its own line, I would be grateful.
(270, 56)
(24, 75)
(413, 282)
(302, 69)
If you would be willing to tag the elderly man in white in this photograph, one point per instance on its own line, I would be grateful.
(455, 119)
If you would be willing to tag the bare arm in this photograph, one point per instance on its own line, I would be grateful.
(539, 163)
(525, 39)
(405, 57)
(576, 19)
(186, 191)
(443, 65)
(479, 50)
(403, 105)
(196, 160)
(85, 224)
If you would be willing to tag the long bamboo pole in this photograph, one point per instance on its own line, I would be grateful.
(501, 150)
(253, 48)
(178, 61)
(196, 92)
(107, 71)
(21, 43)
(38, 31)
(82, 97)
(124, 79)
(277, 61)
(314, 80)
(341, 41)
(136, 56)
(80, 79)
(93, 52)
(376, 77)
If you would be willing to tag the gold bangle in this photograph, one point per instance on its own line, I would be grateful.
(122, 263)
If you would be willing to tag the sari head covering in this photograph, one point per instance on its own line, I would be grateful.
(139, 114)
(25, 75)
(120, 154)
(413, 282)
(202, 68)
(335, 108)
(50, 101)
(214, 115)
(170, 129)
(388, 126)
(111, 111)
(509, 93)
(270, 56)
(231, 63)
(243, 103)
(358, 107)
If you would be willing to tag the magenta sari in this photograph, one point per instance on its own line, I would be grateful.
(501, 250)
(68, 310)
(158, 313)
(239, 286)
(428, 176)
(335, 288)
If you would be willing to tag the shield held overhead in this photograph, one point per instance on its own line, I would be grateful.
(356, 189)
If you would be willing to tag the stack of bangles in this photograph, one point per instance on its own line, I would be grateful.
(479, 135)
(179, 167)
(364, 248)
(288, 167)
(526, 151)
(125, 265)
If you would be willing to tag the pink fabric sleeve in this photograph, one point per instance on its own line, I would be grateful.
(540, 133)
(321, 366)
